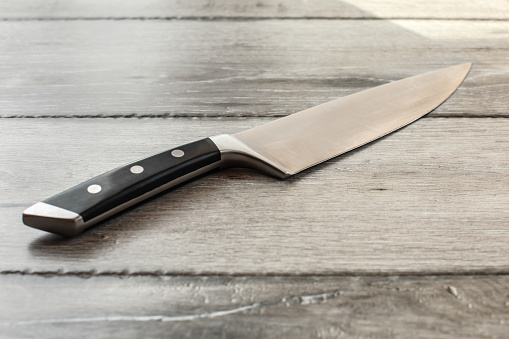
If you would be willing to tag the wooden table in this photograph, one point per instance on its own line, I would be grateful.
(406, 237)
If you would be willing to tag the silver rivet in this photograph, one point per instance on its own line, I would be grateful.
(94, 189)
(136, 169)
(177, 153)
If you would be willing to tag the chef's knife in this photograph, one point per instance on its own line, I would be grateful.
(281, 148)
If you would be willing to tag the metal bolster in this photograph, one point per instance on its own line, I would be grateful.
(234, 153)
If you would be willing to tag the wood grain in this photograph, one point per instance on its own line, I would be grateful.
(248, 307)
(280, 9)
(267, 68)
(329, 253)
(431, 198)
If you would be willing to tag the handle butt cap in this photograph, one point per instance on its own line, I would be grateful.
(53, 219)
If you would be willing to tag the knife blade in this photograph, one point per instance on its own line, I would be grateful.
(280, 148)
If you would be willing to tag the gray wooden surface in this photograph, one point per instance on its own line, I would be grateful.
(160, 68)
(418, 200)
(267, 9)
(406, 237)
(256, 307)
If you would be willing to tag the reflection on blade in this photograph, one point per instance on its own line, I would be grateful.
(306, 138)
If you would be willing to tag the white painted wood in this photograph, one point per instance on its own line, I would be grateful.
(430, 198)
(267, 68)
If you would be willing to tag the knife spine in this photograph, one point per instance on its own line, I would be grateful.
(235, 153)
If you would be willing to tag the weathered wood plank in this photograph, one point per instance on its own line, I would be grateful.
(264, 68)
(430, 198)
(43, 9)
(254, 307)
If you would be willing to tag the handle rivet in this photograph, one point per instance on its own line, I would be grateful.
(93, 189)
(136, 169)
(177, 153)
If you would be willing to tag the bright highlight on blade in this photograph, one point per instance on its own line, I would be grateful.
(309, 137)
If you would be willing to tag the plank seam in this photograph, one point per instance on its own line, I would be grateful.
(126, 273)
(216, 116)
(244, 18)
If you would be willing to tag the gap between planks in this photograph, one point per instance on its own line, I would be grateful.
(245, 18)
(86, 274)
(222, 116)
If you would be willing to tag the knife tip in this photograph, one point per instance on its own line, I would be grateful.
(467, 66)
(459, 71)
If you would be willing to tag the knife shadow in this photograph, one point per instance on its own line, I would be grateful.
(117, 228)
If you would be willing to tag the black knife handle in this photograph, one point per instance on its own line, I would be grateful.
(77, 208)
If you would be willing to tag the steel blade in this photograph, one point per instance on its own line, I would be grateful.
(314, 135)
